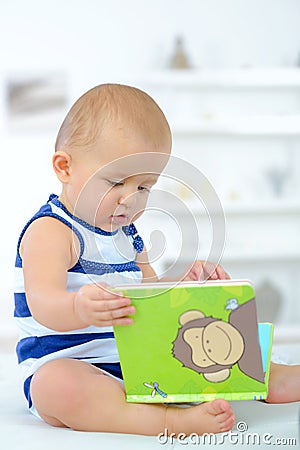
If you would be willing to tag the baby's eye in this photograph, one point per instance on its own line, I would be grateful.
(144, 188)
(115, 183)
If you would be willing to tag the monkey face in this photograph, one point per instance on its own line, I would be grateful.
(194, 338)
(216, 343)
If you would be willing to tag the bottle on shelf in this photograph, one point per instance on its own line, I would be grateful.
(179, 58)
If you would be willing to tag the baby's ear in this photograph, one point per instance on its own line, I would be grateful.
(61, 162)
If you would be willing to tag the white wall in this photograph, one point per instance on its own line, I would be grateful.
(96, 39)
(93, 41)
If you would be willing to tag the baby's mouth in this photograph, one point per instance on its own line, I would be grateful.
(119, 219)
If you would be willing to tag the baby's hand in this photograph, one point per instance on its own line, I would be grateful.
(205, 270)
(98, 305)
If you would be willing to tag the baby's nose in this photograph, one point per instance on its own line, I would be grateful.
(128, 198)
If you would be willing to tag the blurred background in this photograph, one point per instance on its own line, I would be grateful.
(226, 74)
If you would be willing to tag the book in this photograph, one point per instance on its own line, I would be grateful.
(193, 342)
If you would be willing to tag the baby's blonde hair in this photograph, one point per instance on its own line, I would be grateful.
(107, 105)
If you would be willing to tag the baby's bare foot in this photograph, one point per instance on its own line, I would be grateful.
(284, 384)
(212, 417)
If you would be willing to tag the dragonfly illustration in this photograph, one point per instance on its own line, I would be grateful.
(156, 389)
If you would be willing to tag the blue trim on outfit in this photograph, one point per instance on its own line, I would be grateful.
(138, 243)
(97, 230)
(18, 262)
(96, 268)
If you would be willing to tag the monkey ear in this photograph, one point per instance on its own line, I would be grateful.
(190, 315)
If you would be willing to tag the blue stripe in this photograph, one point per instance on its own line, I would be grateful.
(26, 389)
(112, 368)
(37, 347)
(18, 262)
(21, 307)
(97, 268)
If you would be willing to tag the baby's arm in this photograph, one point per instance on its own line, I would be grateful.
(48, 249)
(198, 271)
(142, 261)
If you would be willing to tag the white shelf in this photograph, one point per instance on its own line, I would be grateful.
(243, 257)
(286, 334)
(237, 106)
(227, 78)
(173, 82)
(285, 125)
(266, 208)
(270, 207)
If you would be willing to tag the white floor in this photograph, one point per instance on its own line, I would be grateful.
(19, 430)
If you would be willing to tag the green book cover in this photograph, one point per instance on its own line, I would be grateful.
(194, 342)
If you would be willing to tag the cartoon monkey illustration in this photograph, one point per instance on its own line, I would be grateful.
(212, 346)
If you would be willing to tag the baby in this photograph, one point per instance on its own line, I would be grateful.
(110, 150)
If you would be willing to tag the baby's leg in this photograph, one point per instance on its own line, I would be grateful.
(75, 394)
(284, 383)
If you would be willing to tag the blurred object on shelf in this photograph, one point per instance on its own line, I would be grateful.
(184, 192)
(35, 101)
(268, 300)
(282, 176)
(208, 115)
(277, 178)
(233, 196)
(179, 59)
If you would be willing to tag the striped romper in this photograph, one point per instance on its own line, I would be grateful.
(105, 257)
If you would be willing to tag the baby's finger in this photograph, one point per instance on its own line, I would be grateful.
(112, 304)
(113, 322)
(122, 321)
(113, 314)
(210, 271)
(107, 293)
(221, 274)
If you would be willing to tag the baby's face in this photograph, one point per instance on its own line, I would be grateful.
(110, 184)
